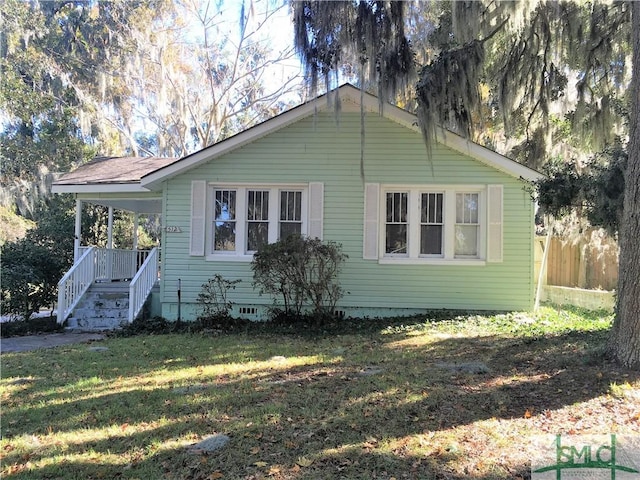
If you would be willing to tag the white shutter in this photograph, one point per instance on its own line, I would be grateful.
(316, 209)
(371, 215)
(494, 223)
(198, 209)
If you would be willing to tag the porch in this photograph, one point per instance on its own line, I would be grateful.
(114, 183)
(131, 274)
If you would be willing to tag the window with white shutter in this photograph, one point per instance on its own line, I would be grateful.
(455, 224)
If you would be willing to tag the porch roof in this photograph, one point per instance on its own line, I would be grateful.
(114, 182)
(110, 174)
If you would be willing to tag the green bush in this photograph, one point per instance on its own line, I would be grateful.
(32, 266)
(303, 271)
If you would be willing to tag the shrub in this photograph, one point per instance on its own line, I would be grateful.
(32, 266)
(30, 274)
(32, 326)
(303, 271)
(213, 298)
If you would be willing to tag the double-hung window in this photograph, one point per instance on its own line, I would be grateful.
(257, 219)
(225, 221)
(396, 223)
(431, 224)
(423, 224)
(290, 213)
(467, 231)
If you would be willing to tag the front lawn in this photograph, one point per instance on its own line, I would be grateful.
(461, 397)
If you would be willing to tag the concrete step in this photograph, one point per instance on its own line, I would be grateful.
(94, 324)
(105, 306)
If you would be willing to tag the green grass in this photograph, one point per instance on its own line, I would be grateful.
(364, 401)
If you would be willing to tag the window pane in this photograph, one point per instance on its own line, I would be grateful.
(225, 205)
(291, 206)
(225, 236)
(472, 207)
(290, 228)
(431, 240)
(466, 240)
(466, 208)
(396, 238)
(257, 235)
(258, 205)
(396, 207)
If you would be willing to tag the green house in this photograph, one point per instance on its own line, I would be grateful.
(447, 228)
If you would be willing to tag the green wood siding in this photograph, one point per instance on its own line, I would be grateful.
(326, 149)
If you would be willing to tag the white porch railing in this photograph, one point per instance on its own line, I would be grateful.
(142, 283)
(116, 264)
(75, 283)
(101, 264)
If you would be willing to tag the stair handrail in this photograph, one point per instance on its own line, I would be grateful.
(75, 283)
(142, 283)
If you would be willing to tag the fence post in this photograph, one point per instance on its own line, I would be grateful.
(543, 268)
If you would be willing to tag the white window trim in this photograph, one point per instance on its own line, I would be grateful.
(241, 254)
(413, 256)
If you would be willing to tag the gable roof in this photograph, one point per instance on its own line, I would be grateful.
(346, 92)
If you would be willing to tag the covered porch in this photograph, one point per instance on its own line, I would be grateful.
(131, 274)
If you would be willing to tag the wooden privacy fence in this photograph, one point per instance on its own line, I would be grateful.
(583, 264)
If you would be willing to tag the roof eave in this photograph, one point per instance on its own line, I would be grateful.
(99, 188)
(487, 156)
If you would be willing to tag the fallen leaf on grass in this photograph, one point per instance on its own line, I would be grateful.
(304, 462)
(260, 464)
(216, 475)
(273, 471)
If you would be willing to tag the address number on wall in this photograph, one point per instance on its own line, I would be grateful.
(172, 229)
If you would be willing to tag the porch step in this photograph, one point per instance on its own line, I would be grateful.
(105, 306)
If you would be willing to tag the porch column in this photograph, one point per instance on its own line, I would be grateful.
(135, 231)
(77, 231)
(110, 229)
(110, 256)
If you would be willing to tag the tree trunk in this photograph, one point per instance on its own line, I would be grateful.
(624, 343)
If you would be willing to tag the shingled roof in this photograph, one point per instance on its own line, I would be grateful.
(113, 170)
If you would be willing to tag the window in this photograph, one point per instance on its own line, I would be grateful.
(431, 224)
(467, 225)
(422, 224)
(225, 221)
(257, 219)
(396, 236)
(244, 218)
(290, 213)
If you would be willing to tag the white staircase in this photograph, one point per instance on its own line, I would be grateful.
(105, 306)
(96, 293)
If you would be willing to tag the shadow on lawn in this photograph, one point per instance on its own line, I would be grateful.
(338, 414)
